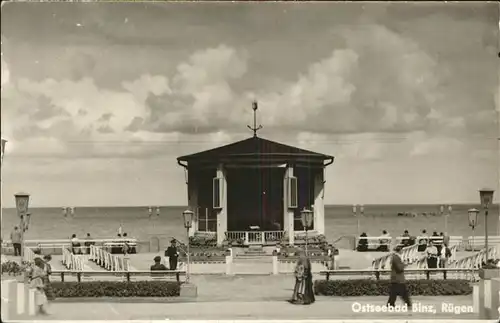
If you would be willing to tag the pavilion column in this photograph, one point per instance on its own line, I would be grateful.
(319, 204)
(289, 214)
(222, 212)
(193, 205)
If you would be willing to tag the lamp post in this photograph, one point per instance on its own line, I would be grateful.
(22, 202)
(358, 217)
(472, 223)
(188, 222)
(306, 217)
(446, 216)
(486, 197)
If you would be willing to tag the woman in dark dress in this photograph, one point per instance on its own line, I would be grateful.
(303, 292)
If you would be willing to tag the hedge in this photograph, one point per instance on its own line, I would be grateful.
(116, 289)
(366, 287)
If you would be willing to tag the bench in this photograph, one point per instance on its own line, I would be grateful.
(127, 275)
(375, 244)
(363, 273)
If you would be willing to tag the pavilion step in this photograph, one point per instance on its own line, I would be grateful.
(255, 247)
(255, 253)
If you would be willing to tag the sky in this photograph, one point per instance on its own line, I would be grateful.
(98, 99)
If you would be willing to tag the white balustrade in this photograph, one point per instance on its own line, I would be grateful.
(73, 262)
(256, 237)
(108, 261)
(29, 255)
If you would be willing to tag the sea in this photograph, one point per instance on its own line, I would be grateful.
(104, 222)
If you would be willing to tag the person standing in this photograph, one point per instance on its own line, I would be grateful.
(432, 255)
(172, 255)
(16, 238)
(398, 284)
(423, 240)
(445, 256)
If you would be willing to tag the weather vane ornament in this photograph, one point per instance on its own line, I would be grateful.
(255, 128)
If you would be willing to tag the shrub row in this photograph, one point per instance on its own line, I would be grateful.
(116, 289)
(366, 287)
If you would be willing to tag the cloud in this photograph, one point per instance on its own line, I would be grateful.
(432, 146)
(376, 85)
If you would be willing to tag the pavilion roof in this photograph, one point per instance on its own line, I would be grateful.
(255, 147)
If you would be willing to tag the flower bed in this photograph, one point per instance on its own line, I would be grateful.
(315, 258)
(203, 258)
(13, 268)
(116, 289)
(202, 241)
(365, 287)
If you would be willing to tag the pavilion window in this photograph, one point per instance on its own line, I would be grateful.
(292, 192)
(217, 192)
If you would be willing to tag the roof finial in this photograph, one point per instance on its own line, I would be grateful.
(255, 128)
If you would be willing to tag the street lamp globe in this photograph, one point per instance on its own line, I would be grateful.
(450, 209)
(22, 202)
(188, 218)
(362, 209)
(441, 209)
(306, 217)
(486, 196)
(354, 209)
(473, 217)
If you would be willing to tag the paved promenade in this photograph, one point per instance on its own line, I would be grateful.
(251, 297)
(324, 308)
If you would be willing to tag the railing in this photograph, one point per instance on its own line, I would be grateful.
(256, 237)
(475, 260)
(478, 242)
(108, 261)
(375, 242)
(383, 262)
(73, 262)
(124, 275)
(411, 256)
(429, 273)
(29, 255)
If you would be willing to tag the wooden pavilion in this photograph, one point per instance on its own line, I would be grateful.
(253, 190)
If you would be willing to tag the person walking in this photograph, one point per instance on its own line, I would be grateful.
(16, 238)
(303, 291)
(48, 270)
(398, 284)
(38, 277)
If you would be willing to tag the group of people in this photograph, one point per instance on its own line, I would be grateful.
(121, 245)
(173, 256)
(384, 242)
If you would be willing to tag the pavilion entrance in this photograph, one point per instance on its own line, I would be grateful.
(255, 199)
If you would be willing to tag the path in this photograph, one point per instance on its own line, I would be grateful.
(324, 308)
